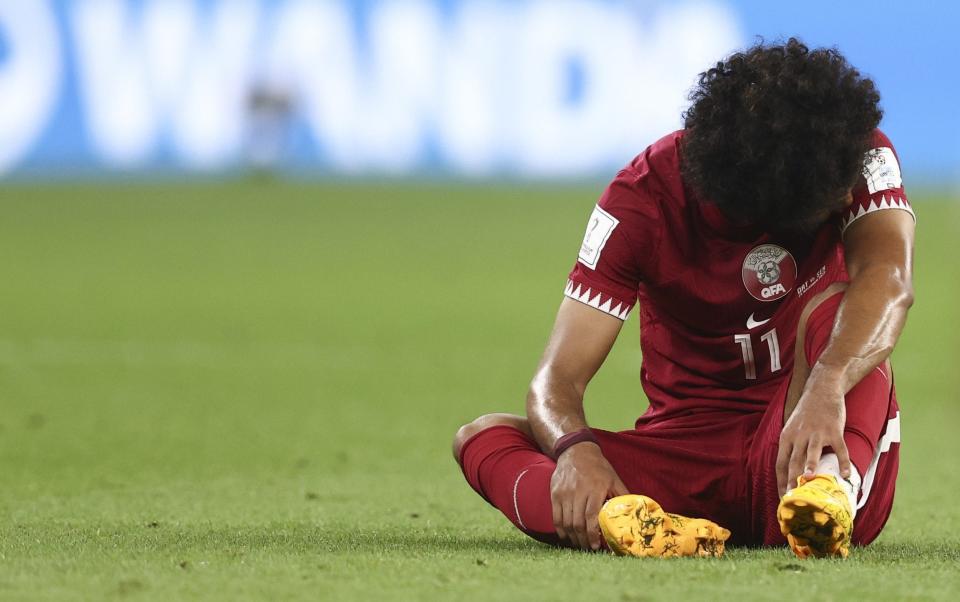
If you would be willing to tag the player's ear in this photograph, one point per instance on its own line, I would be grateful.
(848, 200)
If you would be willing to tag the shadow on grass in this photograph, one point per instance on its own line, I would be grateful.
(427, 543)
(419, 543)
(293, 538)
(306, 538)
(878, 553)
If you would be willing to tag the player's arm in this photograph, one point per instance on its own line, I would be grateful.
(621, 238)
(580, 341)
(879, 256)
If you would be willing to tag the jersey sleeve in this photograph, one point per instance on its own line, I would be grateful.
(621, 237)
(880, 185)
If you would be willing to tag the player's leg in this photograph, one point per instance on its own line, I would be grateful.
(870, 406)
(467, 431)
(871, 435)
(503, 463)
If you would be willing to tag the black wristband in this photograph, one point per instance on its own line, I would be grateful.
(570, 439)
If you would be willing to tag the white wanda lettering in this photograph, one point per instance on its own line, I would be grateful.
(749, 360)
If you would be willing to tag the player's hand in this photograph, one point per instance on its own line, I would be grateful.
(816, 423)
(582, 482)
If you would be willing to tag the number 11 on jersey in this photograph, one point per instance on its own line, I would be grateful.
(749, 361)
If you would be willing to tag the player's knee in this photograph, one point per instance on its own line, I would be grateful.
(467, 431)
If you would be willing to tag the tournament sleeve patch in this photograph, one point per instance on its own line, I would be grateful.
(881, 170)
(599, 229)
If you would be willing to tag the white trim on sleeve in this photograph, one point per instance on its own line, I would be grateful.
(596, 299)
(885, 203)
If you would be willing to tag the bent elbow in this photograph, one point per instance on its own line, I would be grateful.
(907, 301)
(537, 391)
(905, 295)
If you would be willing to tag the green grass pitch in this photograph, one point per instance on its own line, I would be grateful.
(247, 391)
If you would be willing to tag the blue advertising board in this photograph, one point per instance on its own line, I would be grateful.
(479, 88)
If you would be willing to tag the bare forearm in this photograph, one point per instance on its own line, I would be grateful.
(554, 408)
(868, 325)
(580, 341)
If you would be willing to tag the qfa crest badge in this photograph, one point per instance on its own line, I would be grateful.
(769, 272)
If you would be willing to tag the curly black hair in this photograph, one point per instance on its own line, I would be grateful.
(775, 135)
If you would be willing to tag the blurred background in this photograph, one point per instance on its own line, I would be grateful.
(261, 259)
(478, 88)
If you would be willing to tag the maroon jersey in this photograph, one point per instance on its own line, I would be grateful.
(719, 303)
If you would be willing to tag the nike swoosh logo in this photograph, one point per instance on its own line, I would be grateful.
(751, 323)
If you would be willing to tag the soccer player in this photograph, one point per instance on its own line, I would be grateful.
(769, 244)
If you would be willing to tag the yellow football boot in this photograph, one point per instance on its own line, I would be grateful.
(635, 525)
(816, 518)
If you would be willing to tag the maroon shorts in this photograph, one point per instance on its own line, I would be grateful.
(722, 466)
(715, 465)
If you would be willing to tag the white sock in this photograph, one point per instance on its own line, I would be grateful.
(830, 464)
